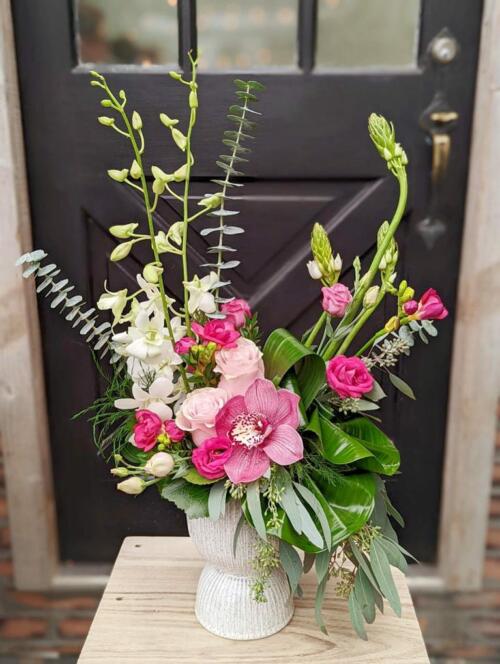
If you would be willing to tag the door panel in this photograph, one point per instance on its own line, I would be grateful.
(312, 161)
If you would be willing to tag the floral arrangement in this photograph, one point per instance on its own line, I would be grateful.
(197, 407)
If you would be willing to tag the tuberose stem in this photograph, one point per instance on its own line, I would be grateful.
(314, 332)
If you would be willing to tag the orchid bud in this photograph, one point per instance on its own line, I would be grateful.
(106, 103)
(180, 173)
(179, 139)
(176, 232)
(314, 271)
(175, 75)
(210, 202)
(135, 170)
(168, 122)
(117, 175)
(193, 99)
(133, 486)
(121, 251)
(160, 464)
(120, 472)
(158, 174)
(152, 272)
(371, 296)
(107, 122)
(123, 231)
(136, 121)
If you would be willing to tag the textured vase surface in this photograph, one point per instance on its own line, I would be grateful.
(224, 603)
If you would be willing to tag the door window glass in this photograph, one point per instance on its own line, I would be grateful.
(127, 32)
(247, 34)
(357, 33)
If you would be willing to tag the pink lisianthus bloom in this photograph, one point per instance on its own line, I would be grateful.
(348, 376)
(219, 331)
(336, 299)
(239, 366)
(210, 457)
(237, 311)
(261, 427)
(173, 432)
(184, 345)
(429, 307)
(146, 430)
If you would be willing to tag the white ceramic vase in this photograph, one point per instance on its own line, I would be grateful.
(224, 604)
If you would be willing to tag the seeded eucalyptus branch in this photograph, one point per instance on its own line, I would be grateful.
(238, 114)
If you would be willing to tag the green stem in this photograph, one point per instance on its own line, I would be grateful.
(357, 302)
(314, 332)
(185, 272)
(224, 189)
(361, 322)
(371, 341)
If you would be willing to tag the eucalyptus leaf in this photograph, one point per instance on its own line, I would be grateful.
(255, 508)
(292, 564)
(317, 508)
(356, 616)
(365, 596)
(394, 555)
(382, 572)
(318, 605)
(217, 500)
(400, 385)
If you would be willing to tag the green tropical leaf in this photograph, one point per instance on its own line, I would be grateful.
(191, 498)
(194, 477)
(282, 352)
(337, 445)
(385, 457)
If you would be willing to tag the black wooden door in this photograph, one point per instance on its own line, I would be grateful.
(312, 161)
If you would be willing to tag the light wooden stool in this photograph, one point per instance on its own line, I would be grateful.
(147, 615)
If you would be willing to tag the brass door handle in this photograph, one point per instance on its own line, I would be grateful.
(441, 142)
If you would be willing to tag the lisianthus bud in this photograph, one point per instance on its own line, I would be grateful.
(132, 485)
(160, 464)
(121, 251)
(313, 269)
(120, 472)
(371, 296)
(123, 231)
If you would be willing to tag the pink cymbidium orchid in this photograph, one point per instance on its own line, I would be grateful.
(262, 428)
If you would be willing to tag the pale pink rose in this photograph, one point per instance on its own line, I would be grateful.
(348, 376)
(198, 412)
(147, 429)
(209, 458)
(336, 299)
(237, 311)
(262, 429)
(239, 366)
(184, 345)
(219, 331)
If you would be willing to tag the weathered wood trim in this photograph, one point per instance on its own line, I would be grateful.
(23, 419)
(475, 376)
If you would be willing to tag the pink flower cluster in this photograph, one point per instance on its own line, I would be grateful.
(149, 426)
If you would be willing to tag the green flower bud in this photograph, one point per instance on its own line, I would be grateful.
(193, 99)
(179, 138)
(107, 122)
(168, 122)
(175, 75)
(136, 121)
(158, 174)
(322, 253)
(402, 287)
(123, 231)
(408, 295)
(371, 296)
(118, 176)
(158, 187)
(120, 472)
(107, 103)
(121, 251)
(210, 202)
(384, 138)
(152, 272)
(135, 170)
(180, 173)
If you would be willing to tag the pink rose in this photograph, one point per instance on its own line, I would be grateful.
(210, 457)
(237, 311)
(219, 331)
(239, 366)
(348, 376)
(184, 345)
(147, 429)
(173, 432)
(198, 412)
(430, 306)
(336, 299)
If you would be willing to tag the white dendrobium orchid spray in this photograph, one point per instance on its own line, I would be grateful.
(116, 301)
(200, 296)
(155, 398)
